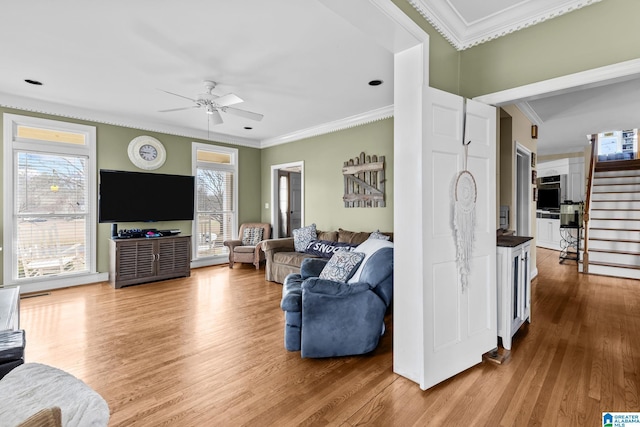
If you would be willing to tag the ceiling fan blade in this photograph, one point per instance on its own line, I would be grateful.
(228, 99)
(214, 117)
(175, 94)
(178, 109)
(244, 113)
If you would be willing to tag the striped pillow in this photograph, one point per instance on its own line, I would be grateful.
(252, 236)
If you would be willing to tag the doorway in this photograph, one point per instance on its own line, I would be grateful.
(289, 203)
(523, 191)
(287, 198)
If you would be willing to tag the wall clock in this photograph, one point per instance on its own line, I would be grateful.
(146, 152)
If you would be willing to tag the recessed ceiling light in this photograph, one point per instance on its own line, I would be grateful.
(375, 82)
(33, 82)
(248, 127)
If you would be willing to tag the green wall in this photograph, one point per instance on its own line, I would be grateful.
(601, 34)
(112, 143)
(323, 158)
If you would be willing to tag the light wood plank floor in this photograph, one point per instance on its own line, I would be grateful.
(208, 350)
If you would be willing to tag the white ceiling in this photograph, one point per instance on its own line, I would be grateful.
(566, 120)
(298, 63)
(294, 61)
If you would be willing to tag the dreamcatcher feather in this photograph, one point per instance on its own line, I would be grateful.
(464, 219)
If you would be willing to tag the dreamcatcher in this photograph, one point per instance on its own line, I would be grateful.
(464, 220)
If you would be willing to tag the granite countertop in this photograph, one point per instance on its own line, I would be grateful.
(512, 241)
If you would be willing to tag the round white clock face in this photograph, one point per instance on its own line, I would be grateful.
(146, 152)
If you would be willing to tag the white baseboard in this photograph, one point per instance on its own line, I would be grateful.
(61, 282)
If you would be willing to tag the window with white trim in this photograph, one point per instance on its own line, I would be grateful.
(49, 208)
(216, 172)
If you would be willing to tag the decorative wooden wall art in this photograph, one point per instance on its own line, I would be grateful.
(364, 182)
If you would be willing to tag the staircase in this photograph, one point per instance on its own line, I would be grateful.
(614, 226)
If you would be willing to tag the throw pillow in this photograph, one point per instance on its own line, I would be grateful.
(353, 237)
(328, 235)
(378, 235)
(303, 236)
(252, 236)
(368, 248)
(326, 248)
(341, 266)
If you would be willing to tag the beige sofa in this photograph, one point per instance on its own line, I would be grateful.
(282, 259)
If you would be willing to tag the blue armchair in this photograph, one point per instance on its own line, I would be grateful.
(326, 319)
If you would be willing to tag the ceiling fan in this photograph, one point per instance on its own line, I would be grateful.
(214, 104)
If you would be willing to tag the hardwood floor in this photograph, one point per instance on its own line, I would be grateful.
(208, 350)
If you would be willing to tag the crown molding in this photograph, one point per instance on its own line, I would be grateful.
(613, 73)
(338, 125)
(54, 109)
(463, 34)
(529, 113)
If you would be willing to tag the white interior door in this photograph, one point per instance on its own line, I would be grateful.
(523, 191)
(280, 217)
(295, 200)
(459, 325)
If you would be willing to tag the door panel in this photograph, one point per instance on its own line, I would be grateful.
(463, 323)
(283, 204)
(447, 314)
(295, 199)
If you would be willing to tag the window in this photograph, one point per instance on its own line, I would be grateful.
(216, 172)
(49, 210)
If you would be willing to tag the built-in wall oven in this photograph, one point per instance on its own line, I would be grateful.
(551, 192)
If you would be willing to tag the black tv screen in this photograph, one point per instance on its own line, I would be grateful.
(548, 198)
(140, 196)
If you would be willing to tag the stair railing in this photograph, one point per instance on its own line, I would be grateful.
(587, 205)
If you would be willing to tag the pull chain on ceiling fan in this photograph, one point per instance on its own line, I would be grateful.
(214, 104)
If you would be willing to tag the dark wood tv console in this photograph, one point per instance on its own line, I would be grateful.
(133, 261)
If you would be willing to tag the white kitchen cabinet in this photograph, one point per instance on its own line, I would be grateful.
(573, 168)
(548, 230)
(514, 285)
(576, 184)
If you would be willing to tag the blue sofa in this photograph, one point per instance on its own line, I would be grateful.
(327, 319)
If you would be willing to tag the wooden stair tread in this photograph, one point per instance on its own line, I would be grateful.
(615, 219)
(612, 229)
(615, 200)
(613, 192)
(608, 264)
(617, 165)
(613, 240)
(596, 177)
(615, 209)
(611, 251)
(615, 183)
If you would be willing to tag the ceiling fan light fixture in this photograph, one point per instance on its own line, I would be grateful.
(213, 105)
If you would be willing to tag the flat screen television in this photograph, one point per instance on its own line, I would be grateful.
(549, 198)
(144, 197)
